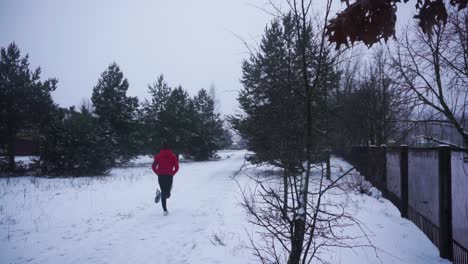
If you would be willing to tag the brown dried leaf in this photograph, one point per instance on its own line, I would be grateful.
(370, 21)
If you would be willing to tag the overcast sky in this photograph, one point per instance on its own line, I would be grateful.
(191, 42)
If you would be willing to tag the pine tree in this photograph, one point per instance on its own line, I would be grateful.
(190, 126)
(117, 110)
(272, 100)
(175, 121)
(25, 101)
(76, 143)
(207, 128)
(151, 116)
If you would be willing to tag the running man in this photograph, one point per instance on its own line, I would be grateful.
(165, 165)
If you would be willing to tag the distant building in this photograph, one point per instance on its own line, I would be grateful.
(26, 145)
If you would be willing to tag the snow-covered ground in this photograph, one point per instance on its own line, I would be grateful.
(25, 160)
(114, 219)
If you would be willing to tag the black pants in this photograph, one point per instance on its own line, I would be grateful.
(165, 183)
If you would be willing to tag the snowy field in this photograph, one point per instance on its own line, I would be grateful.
(113, 219)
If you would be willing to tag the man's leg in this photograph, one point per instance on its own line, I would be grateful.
(169, 186)
(163, 185)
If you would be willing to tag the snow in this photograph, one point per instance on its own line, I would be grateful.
(26, 160)
(113, 219)
(397, 239)
(142, 160)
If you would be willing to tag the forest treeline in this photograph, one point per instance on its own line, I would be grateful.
(110, 130)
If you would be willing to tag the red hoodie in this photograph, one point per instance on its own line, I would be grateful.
(165, 163)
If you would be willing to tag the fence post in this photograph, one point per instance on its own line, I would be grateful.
(362, 161)
(353, 157)
(445, 203)
(372, 157)
(384, 171)
(356, 157)
(404, 181)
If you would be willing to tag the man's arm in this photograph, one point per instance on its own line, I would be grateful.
(154, 166)
(176, 165)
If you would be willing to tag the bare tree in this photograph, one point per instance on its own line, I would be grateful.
(212, 91)
(326, 219)
(301, 11)
(434, 69)
(87, 104)
(382, 100)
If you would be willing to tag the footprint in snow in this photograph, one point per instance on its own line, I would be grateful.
(124, 216)
(192, 245)
(200, 229)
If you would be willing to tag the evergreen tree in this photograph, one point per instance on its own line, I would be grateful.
(175, 121)
(117, 110)
(272, 99)
(190, 126)
(25, 101)
(76, 143)
(207, 128)
(151, 116)
(275, 102)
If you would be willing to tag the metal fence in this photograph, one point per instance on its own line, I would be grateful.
(428, 185)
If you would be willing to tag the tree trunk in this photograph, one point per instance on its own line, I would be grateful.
(11, 149)
(327, 137)
(285, 192)
(297, 241)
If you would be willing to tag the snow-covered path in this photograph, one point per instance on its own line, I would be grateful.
(114, 220)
